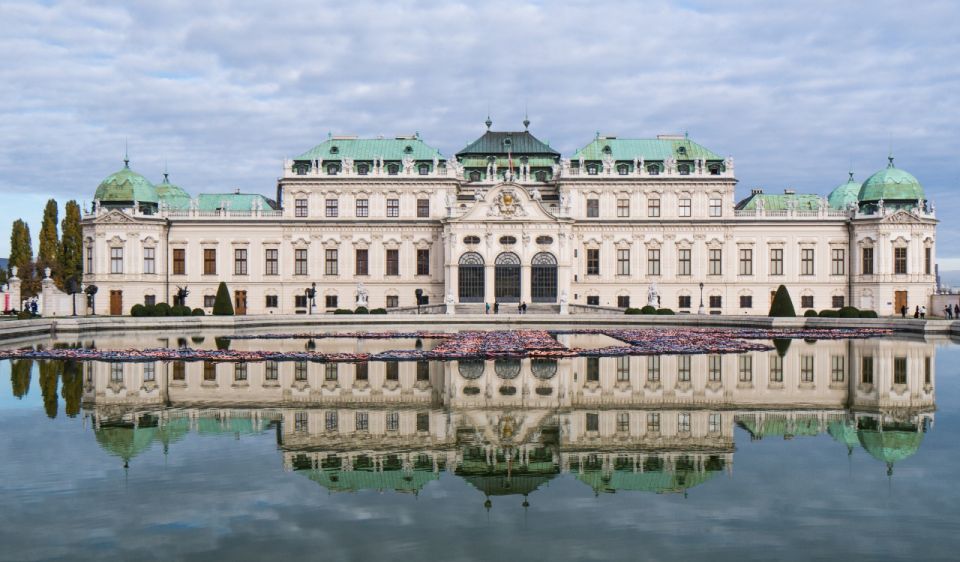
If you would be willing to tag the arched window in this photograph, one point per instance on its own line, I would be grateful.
(543, 369)
(471, 277)
(408, 149)
(332, 169)
(684, 169)
(334, 150)
(607, 149)
(507, 142)
(682, 150)
(424, 169)
(544, 258)
(507, 368)
(623, 169)
(363, 169)
(508, 240)
(470, 369)
(653, 169)
(714, 169)
(592, 170)
(506, 277)
(471, 240)
(471, 258)
(507, 258)
(541, 176)
(393, 169)
(543, 278)
(475, 176)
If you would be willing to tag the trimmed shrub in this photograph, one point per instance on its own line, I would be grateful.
(198, 312)
(24, 315)
(782, 345)
(161, 309)
(665, 312)
(223, 305)
(849, 312)
(868, 314)
(361, 310)
(648, 310)
(378, 311)
(343, 311)
(149, 310)
(828, 313)
(810, 313)
(136, 310)
(782, 305)
(632, 311)
(223, 344)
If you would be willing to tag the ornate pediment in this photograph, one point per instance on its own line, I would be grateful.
(114, 217)
(507, 202)
(903, 217)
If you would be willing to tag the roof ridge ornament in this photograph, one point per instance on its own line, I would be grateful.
(890, 161)
(488, 122)
(126, 154)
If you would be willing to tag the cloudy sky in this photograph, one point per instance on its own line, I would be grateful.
(222, 91)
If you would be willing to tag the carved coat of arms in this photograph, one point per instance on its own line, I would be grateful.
(506, 205)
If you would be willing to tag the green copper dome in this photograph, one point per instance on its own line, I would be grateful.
(844, 194)
(891, 184)
(890, 446)
(165, 189)
(126, 186)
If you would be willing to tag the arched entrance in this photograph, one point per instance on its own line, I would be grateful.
(543, 278)
(507, 278)
(470, 277)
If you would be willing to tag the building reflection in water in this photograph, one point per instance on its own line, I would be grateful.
(507, 427)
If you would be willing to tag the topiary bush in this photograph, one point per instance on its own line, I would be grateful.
(136, 310)
(378, 311)
(868, 314)
(632, 311)
(149, 310)
(161, 309)
(828, 313)
(810, 313)
(223, 305)
(849, 312)
(782, 305)
(343, 311)
(361, 310)
(198, 312)
(665, 312)
(24, 315)
(648, 310)
(180, 310)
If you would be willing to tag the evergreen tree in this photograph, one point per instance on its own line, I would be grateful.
(72, 391)
(782, 305)
(223, 305)
(49, 375)
(49, 240)
(20, 376)
(71, 245)
(21, 256)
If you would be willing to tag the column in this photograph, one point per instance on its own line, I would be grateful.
(525, 279)
(488, 281)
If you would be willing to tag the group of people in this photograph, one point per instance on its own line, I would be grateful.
(919, 312)
(951, 313)
(521, 308)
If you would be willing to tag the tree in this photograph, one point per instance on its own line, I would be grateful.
(47, 254)
(20, 371)
(49, 377)
(72, 390)
(782, 305)
(71, 245)
(222, 305)
(21, 256)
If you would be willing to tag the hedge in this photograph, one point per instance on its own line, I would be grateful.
(810, 313)
(648, 310)
(198, 312)
(632, 311)
(343, 311)
(665, 312)
(782, 305)
(136, 310)
(828, 313)
(849, 312)
(868, 314)
(361, 310)
(161, 309)
(378, 311)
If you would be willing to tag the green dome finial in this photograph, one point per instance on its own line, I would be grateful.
(126, 154)
(890, 161)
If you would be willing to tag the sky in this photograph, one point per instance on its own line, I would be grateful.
(220, 92)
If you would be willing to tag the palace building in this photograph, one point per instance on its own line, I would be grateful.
(620, 223)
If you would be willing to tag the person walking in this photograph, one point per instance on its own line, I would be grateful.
(903, 311)
(487, 305)
(496, 307)
(923, 311)
(916, 311)
(947, 312)
(956, 311)
(524, 308)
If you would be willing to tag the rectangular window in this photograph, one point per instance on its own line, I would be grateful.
(593, 261)
(209, 261)
(806, 368)
(716, 301)
(867, 261)
(653, 261)
(838, 368)
(776, 261)
(393, 421)
(623, 301)
(300, 262)
(271, 261)
(623, 262)
(713, 423)
(423, 208)
(116, 372)
(239, 372)
(239, 261)
(393, 208)
(683, 301)
(363, 421)
(716, 207)
(653, 422)
(653, 368)
(330, 301)
(393, 262)
(331, 262)
(686, 207)
(393, 301)
(684, 261)
(683, 422)
(300, 208)
(300, 301)
(89, 258)
(330, 421)
(623, 368)
(423, 371)
(363, 208)
(393, 370)
(116, 260)
(900, 261)
(745, 368)
(653, 207)
(301, 422)
(362, 371)
(149, 371)
(866, 369)
(272, 301)
(423, 419)
(776, 368)
(593, 369)
(746, 301)
(149, 300)
(271, 371)
(209, 300)
(593, 208)
(927, 371)
(593, 422)
(837, 301)
(806, 261)
(746, 261)
(714, 368)
(927, 257)
(149, 260)
(332, 208)
(362, 266)
(593, 300)
(683, 368)
(209, 371)
(838, 261)
(331, 372)
(806, 301)
(623, 422)
(423, 262)
(623, 208)
(179, 371)
(300, 370)
(899, 370)
(716, 261)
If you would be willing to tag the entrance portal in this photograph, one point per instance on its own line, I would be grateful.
(470, 280)
(240, 303)
(543, 278)
(116, 303)
(899, 300)
(507, 278)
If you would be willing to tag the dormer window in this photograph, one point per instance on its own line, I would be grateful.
(393, 169)
(653, 170)
(684, 169)
(332, 169)
(607, 149)
(541, 176)
(424, 169)
(714, 170)
(408, 149)
(474, 176)
(623, 169)
(507, 142)
(682, 150)
(363, 169)
(592, 170)
(334, 150)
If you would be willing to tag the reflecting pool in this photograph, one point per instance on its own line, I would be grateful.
(812, 450)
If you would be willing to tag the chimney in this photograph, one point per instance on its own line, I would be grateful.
(789, 191)
(756, 191)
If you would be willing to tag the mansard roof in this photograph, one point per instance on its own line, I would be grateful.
(338, 148)
(502, 142)
(660, 148)
(780, 201)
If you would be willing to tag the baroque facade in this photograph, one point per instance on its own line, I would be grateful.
(620, 223)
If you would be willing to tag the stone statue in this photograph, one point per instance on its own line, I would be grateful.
(728, 164)
(564, 303)
(670, 164)
(880, 208)
(535, 194)
(564, 200)
(653, 297)
(13, 272)
(348, 166)
(451, 303)
(194, 204)
(822, 204)
(362, 295)
(478, 194)
(407, 165)
(760, 204)
(451, 199)
(46, 273)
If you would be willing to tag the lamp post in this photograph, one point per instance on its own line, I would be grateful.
(700, 310)
(419, 294)
(311, 292)
(91, 291)
(72, 288)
